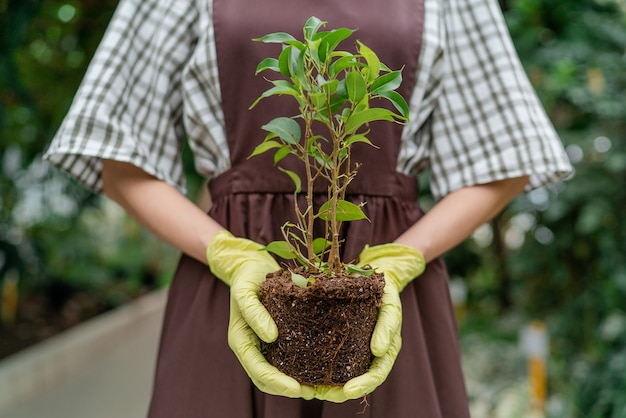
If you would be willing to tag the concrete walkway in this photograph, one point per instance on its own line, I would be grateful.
(102, 368)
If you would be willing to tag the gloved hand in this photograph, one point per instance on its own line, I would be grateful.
(242, 264)
(400, 264)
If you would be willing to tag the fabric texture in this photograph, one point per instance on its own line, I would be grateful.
(154, 78)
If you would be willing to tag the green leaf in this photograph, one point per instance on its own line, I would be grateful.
(268, 64)
(281, 154)
(355, 84)
(314, 150)
(312, 25)
(285, 128)
(343, 154)
(296, 44)
(276, 91)
(265, 146)
(342, 91)
(336, 103)
(322, 159)
(373, 63)
(330, 41)
(313, 142)
(353, 269)
(387, 82)
(282, 249)
(322, 118)
(356, 120)
(362, 105)
(284, 83)
(294, 177)
(318, 100)
(275, 38)
(299, 280)
(314, 53)
(349, 61)
(319, 245)
(283, 61)
(296, 65)
(330, 87)
(346, 211)
(398, 102)
(358, 138)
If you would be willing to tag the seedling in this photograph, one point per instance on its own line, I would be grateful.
(334, 90)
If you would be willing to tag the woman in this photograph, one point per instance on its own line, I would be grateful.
(166, 69)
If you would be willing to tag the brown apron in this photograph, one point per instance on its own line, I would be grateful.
(197, 374)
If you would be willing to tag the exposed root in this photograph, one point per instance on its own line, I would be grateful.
(365, 404)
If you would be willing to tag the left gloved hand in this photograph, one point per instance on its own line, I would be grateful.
(400, 264)
(242, 265)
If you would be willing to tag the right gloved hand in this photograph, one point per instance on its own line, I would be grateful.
(242, 264)
(400, 264)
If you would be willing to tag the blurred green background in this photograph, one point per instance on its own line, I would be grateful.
(557, 254)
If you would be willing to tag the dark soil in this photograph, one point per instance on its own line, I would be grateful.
(324, 330)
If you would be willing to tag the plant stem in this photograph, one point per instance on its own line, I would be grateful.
(334, 261)
(309, 194)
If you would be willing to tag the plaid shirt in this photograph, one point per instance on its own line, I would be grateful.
(474, 115)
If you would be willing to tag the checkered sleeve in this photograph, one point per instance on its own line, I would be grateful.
(129, 105)
(488, 123)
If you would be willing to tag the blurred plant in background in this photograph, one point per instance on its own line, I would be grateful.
(65, 254)
(556, 254)
(572, 270)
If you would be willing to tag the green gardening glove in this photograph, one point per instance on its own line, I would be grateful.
(242, 265)
(400, 264)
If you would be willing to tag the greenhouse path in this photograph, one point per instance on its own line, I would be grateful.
(99, 369)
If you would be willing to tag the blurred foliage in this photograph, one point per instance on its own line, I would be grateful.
(556, 254)
(57, 239)
(572, 270)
